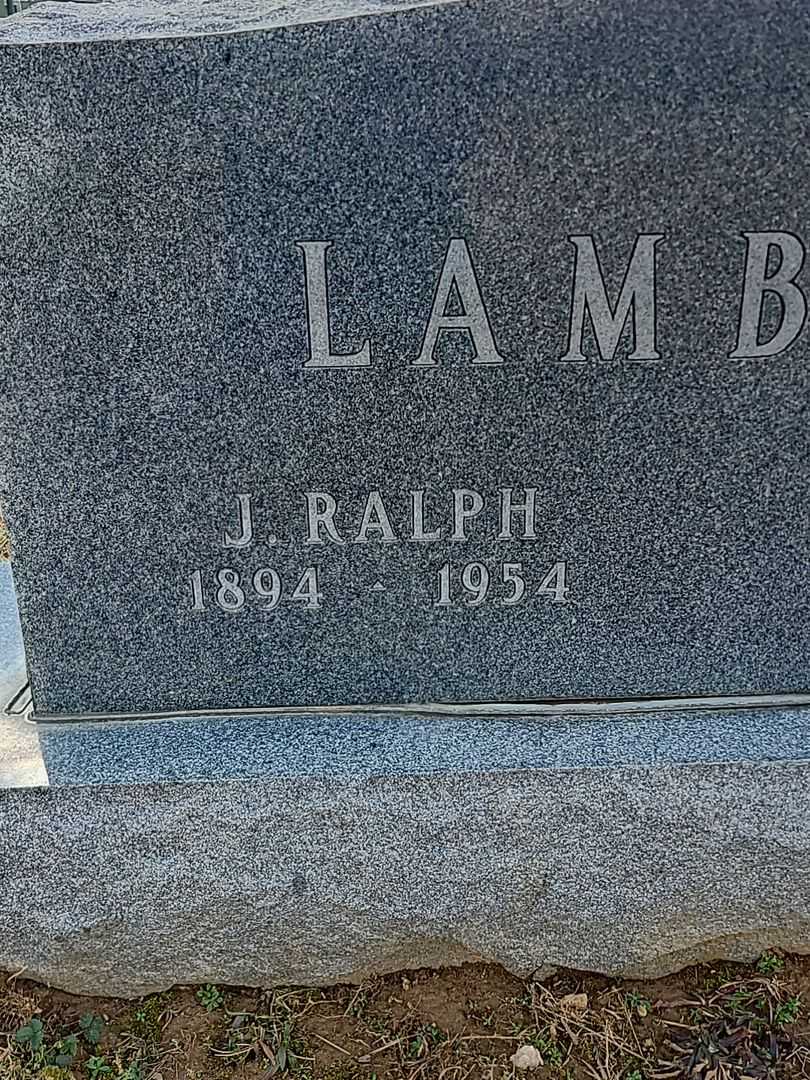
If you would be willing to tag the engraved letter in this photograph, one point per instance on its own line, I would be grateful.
(638, 292)
(419, 532)
(317, 294)
(458, 270)
(245, 536)
(526, 508)
(375, 519)
(466, 504)
(321, 509)
(782, 283)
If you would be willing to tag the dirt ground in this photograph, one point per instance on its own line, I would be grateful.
(5, 544)
(712, 1023)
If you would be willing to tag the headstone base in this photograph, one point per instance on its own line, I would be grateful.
(634, 867)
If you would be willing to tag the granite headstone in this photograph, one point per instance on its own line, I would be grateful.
(371, 360)
(405, 352)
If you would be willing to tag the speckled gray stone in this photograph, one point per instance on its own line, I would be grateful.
(159, 165)
(122, 890)
(317, 848)
(355, 746)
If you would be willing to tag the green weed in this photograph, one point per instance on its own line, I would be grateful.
(91, 1027)
(638, 1003)
(770, 964)
(98, 1068)
(210, 997)
(788, 1013)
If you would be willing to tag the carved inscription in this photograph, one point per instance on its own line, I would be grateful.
(770, 267)
(230, 591)
(460, 515)
(608, 320)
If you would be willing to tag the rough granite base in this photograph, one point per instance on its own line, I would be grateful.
(634, 871)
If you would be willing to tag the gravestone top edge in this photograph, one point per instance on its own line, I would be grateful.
(57, 23)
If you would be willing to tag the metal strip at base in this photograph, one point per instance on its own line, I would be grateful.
(21, 704)
(481, 710)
